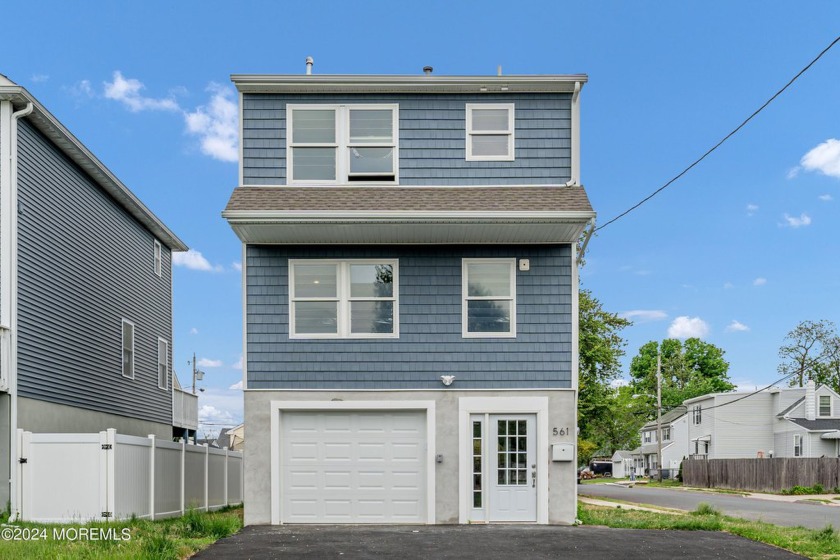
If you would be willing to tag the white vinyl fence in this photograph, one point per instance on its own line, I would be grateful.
(85, 477)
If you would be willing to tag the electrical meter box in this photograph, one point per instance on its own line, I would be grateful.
(563, 452)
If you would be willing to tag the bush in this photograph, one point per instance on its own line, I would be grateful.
(804, 490)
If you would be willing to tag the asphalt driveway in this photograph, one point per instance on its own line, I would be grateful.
(481, 542)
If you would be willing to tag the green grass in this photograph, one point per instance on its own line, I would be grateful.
(822, 544)
(168, 539)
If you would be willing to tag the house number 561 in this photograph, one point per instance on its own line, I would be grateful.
(561, 431)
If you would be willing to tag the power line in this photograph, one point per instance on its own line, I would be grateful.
(725, 138)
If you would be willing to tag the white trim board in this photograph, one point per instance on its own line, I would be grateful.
(502, 405)
(276, 407)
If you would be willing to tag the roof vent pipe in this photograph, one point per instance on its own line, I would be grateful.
(499, 70)
(309, 63)
(428, 70)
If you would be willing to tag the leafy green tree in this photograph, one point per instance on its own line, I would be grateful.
(689, 370)
(811, 351)
(618, 427)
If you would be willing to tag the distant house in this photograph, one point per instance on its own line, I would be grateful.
(791, 422)
(232, 438)
(622, 463)
(85, 292)
(674, 443)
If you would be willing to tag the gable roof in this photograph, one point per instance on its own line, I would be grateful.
(668, 418)
(623, 454)
(48, 125)
(791, 407)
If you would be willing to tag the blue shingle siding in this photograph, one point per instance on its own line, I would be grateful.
(432, 138)
(430, 342)
(83, 266)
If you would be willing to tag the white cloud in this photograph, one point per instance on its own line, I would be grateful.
(736, 326)
(795, 222)
(38, 78)
(216, 124)
(616, 383)
(728, 285)
(238, 364)
(127, 91)
(752, 209)
(793, 172)
(208, 363)
(237, 266)
(194, 260)
(644, 315)
(824, 158)
(826, 197)
(81, 89)
(193, 330)
(219, 408)
(236, 386)
(759, 281)
(688, 327)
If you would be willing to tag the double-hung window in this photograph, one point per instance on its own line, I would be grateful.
(697, 414)
(158, 258)
(797, 445)
(825, 405)
(489, 298)
(490, 132)
(163, 363)
(647, 437)
(128, 349)
(344, 299)
(666, 434)
(340, 144)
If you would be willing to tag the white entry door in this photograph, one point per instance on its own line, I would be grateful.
(504, 477)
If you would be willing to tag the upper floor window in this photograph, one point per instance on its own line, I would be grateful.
(163, 363)
(666, 433)
(490, 132)
(697, 414)
(336, 144)
(489, 298)
(128, 349)
(797, 445)
(343, 299)
(825, 405)
(158, 259)
(647, 437)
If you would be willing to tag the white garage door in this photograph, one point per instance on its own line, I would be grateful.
(353, 467)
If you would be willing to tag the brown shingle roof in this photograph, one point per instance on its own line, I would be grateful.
(435, 199)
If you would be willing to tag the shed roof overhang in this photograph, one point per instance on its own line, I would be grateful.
(831, 435)
(408, 215)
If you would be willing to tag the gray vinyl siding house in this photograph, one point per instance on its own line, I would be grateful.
(410, 297)
(80, 257)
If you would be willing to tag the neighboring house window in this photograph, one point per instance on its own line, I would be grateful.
(344, 299)
(825, 405)
(797, 445)
(163, 363)
(490, 132)
(666, 434)
(697, 414)
(489, 297)
(158, 265)
(647, 437)
(128, 349)
(333, 144)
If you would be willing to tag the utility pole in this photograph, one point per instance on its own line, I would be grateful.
(659, 415)
(197, 374)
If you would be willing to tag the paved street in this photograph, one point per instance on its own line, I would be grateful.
(482, 542)
(814, 516)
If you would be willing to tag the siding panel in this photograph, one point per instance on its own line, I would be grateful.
(430, 342)
(84, 265)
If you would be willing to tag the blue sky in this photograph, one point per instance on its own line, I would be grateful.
(738, 251)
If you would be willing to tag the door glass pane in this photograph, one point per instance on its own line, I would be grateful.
(502, 427)
(476, 429)
(371, 126)
(313, 164)
(372, 317)
(316, 317)
(502, 444)
(488, 316)
(371, 160)
(490, 119)
(315, 280)
(488, 279)
(502, 460)
(502, 477)
(371, 280)
(313, 126)
(490, 145)
(522, 428)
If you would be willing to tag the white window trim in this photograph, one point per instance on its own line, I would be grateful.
(341, 145)
(165, 385)
(647, 437)
(697, 415)
(344, 299)
(465, 298)
(797, 443)
(278, 407)
(158, 258)
(122, 348)
(510, 132)
(830, 406)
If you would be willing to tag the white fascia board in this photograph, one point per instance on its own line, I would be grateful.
(292, 216)
(292, 83)
(70, 145)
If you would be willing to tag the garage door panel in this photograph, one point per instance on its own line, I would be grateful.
(381, 458)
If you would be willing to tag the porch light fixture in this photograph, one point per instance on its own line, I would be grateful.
(447, 379)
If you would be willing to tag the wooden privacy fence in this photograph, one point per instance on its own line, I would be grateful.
(94, 477)
(762, 475)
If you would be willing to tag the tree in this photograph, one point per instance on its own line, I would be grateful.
(810, 351)
(689, 370)
(618, 427)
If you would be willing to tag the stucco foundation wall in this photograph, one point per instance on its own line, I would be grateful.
(562, 480)
(44, 417)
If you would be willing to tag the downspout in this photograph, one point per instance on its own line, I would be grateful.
(575, 170)
(12, 374)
